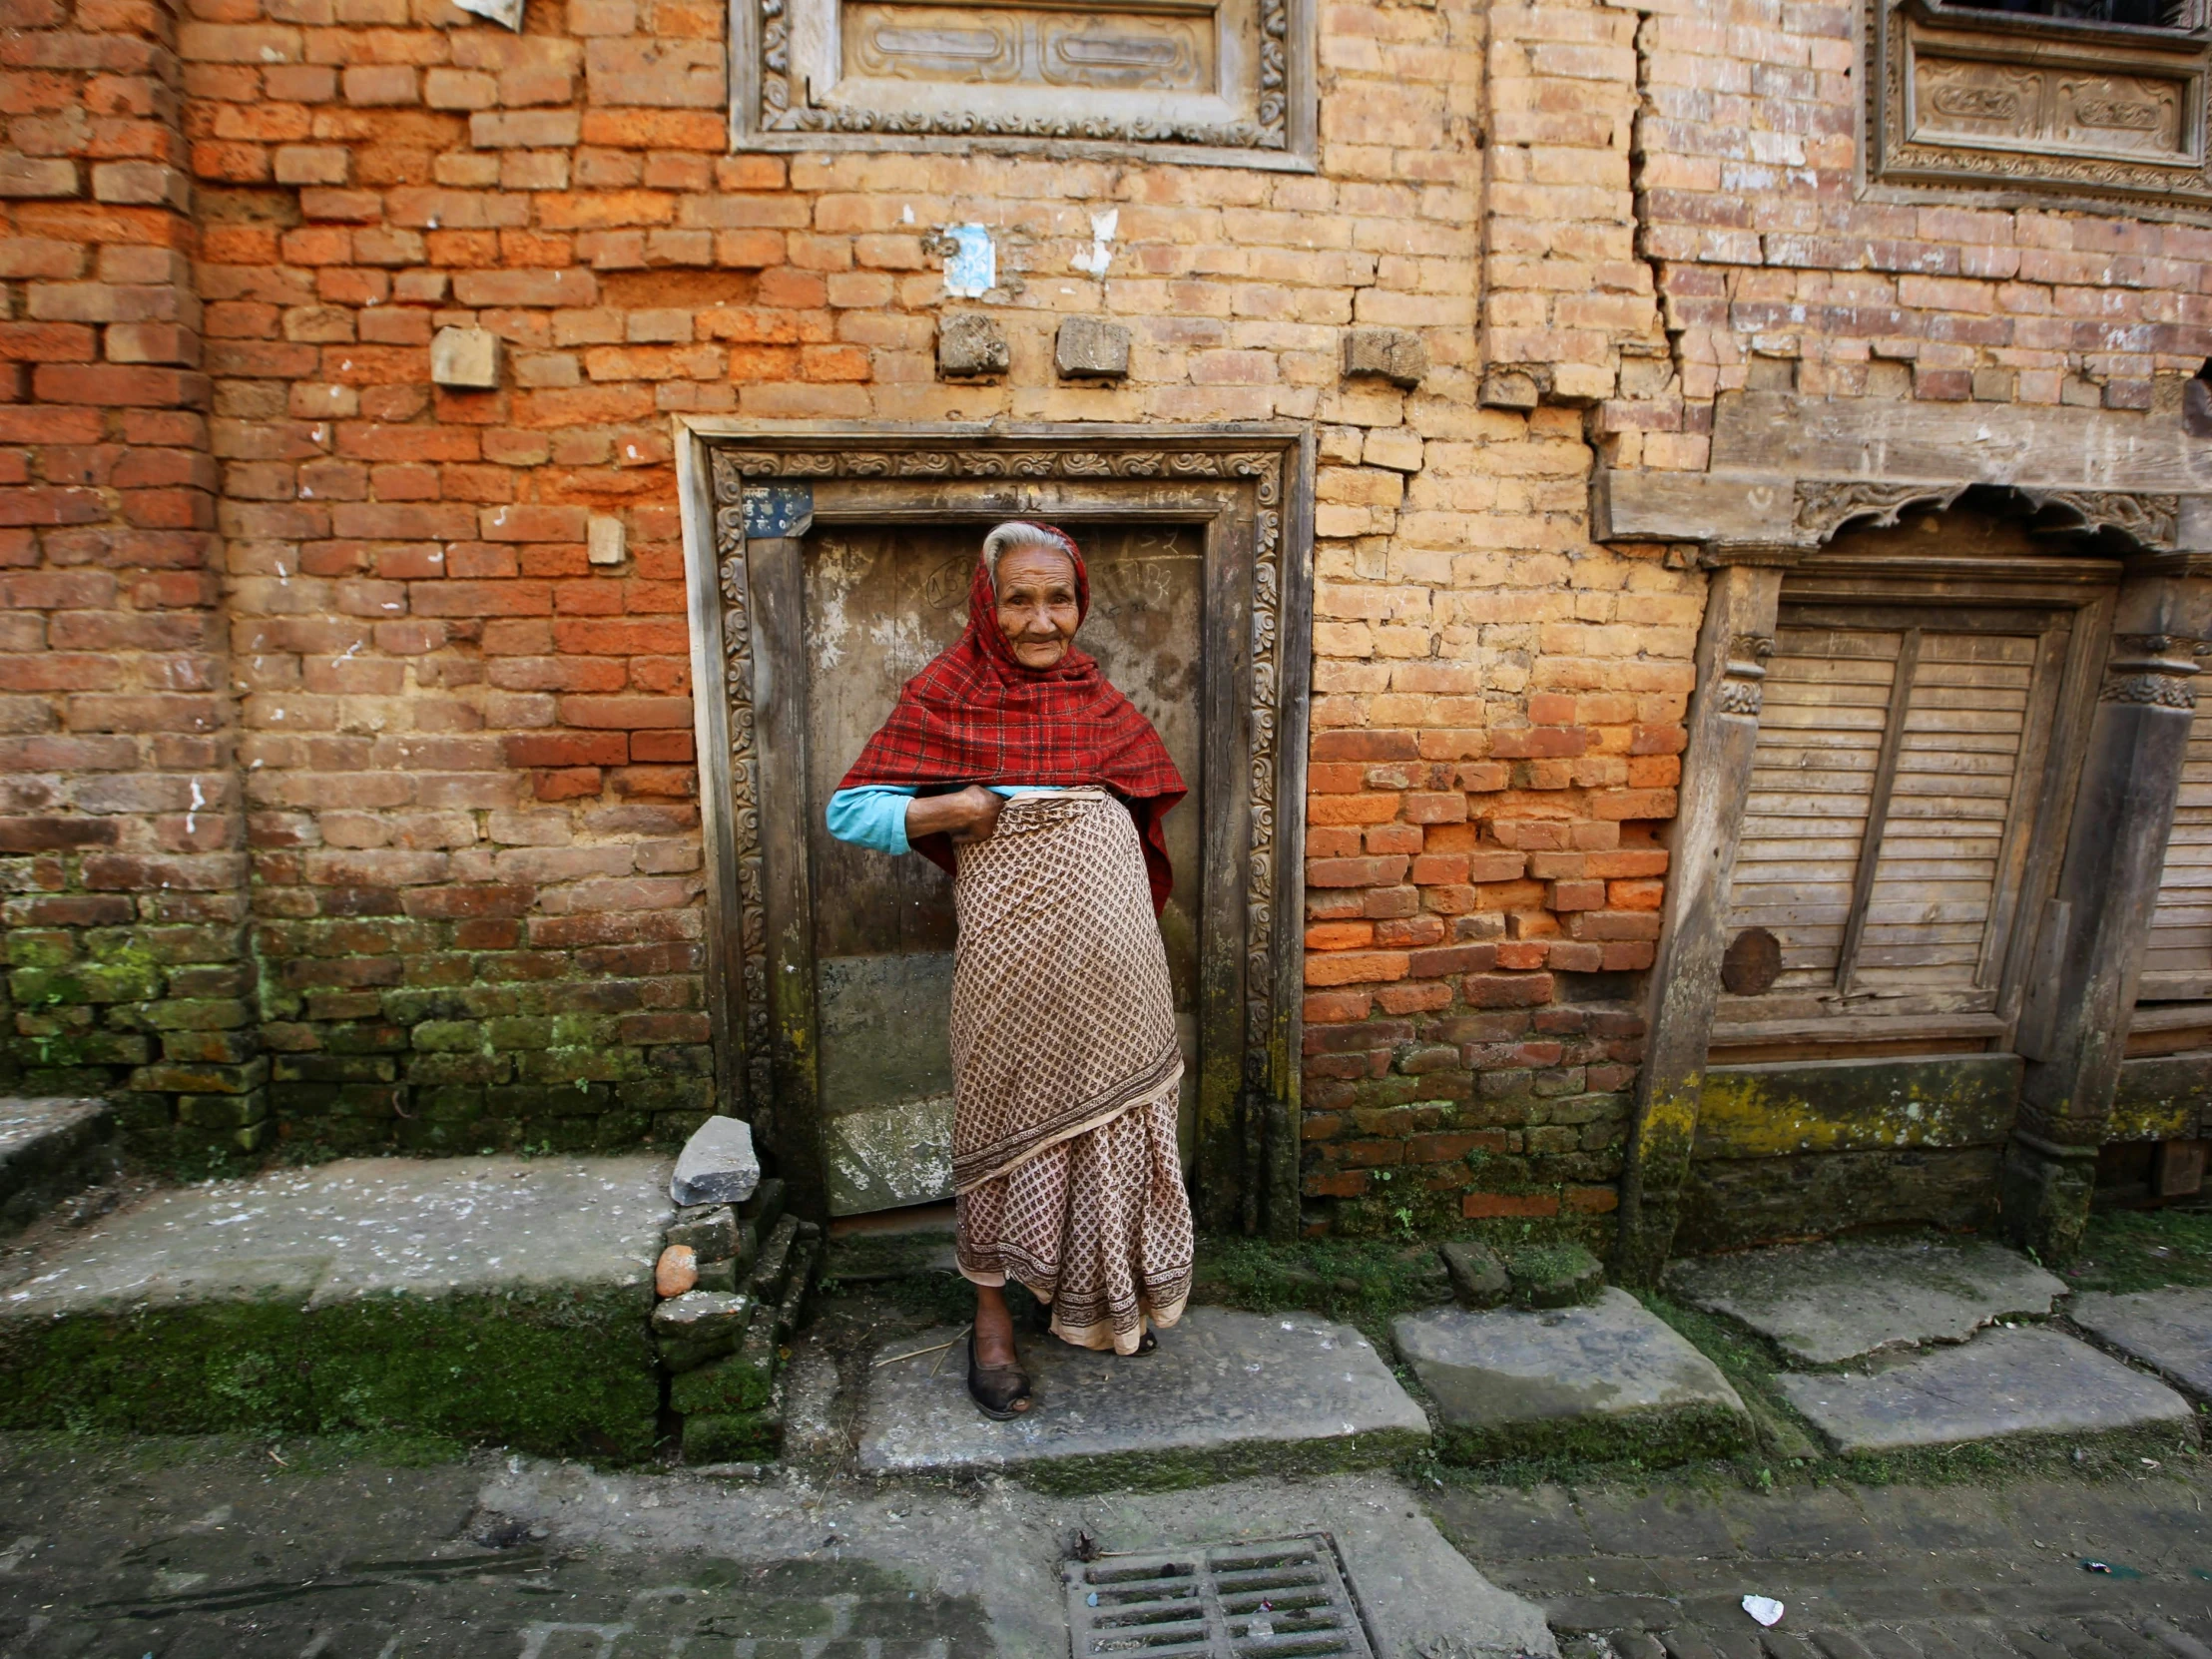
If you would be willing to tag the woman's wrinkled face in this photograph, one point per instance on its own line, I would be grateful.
(1036, 604)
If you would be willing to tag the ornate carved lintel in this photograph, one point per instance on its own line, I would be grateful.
(2152, 521)
(1826, 505)
(1979, 101)
(1047, 61)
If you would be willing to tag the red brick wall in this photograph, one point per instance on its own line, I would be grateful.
(122, 837)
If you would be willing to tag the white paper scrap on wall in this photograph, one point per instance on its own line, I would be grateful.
(971, 269)
(505, 12)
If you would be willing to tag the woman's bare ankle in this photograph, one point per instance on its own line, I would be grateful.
(994, 1330)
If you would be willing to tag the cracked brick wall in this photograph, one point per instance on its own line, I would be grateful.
(1778, 271)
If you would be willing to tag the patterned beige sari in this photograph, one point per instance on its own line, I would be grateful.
(1066, 1072)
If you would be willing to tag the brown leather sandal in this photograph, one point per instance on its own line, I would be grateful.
(1000, 1393)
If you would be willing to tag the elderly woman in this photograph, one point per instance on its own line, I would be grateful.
(1013, 764)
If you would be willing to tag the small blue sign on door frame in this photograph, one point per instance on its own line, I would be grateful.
(778, 509)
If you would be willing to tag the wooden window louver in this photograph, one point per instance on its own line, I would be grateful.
(2177, 967)
(1898, 768)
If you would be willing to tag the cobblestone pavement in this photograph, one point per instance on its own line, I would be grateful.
(183, 1550)
(215, 1558)
(1864, 1572)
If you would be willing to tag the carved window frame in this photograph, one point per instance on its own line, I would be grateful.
(742, 523)
(1902, 162)
(2065, 604)
(781, 50)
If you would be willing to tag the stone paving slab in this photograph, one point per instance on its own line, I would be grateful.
(2004, 1384)
(2169, 1331)
(1610, 1378)
(1825, 1303)
(494, 1298)
(1227, 1394)
(49, 1147)
(364, 1226)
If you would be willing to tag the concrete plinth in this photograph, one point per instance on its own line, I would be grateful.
(1604, 1380)
(2026, 1384)
(1825, 1303)
(485, 1297)
(1227, 1394)
(2168, 1331)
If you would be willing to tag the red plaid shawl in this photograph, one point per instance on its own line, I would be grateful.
(975, 715)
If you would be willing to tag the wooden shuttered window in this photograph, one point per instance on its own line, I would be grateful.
(2177, 967)
(1898, 770)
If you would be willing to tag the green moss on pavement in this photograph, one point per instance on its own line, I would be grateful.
(2143, 1250)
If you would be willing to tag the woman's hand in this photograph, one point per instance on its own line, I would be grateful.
(968, 815)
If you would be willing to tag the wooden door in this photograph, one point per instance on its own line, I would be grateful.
(879, 600)
(826, 566)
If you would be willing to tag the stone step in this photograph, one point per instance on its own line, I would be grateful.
(1226, 1395)
(1825, 1303)
(2027, 1384)
(50, 1150)
(2168, 1331)
(493, 1299)
(1609, 1380)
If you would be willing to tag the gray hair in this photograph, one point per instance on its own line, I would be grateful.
(1018, 535)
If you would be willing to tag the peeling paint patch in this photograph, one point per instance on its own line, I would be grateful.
(1094, 260)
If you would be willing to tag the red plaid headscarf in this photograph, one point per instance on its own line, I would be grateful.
(975, 715)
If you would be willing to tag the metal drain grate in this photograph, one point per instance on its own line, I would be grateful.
(1271, 1596)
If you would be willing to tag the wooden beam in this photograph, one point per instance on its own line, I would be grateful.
(1693, 506)
(779, 701)
(2122, 814)
(1737, 636)
(1898, 440)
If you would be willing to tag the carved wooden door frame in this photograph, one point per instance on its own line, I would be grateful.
(750, 493)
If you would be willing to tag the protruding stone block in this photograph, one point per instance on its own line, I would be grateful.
(1477, 1275)
(607, 544)
(1554, 1275)
(1091, 348)
(1510, 389)
(49, 1148)
(1397, 356)
(970, 344)
(465, 359)
(700, 1326)
(718, 1164)
(711, 1232)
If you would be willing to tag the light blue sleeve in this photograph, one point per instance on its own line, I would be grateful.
(873, 816)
